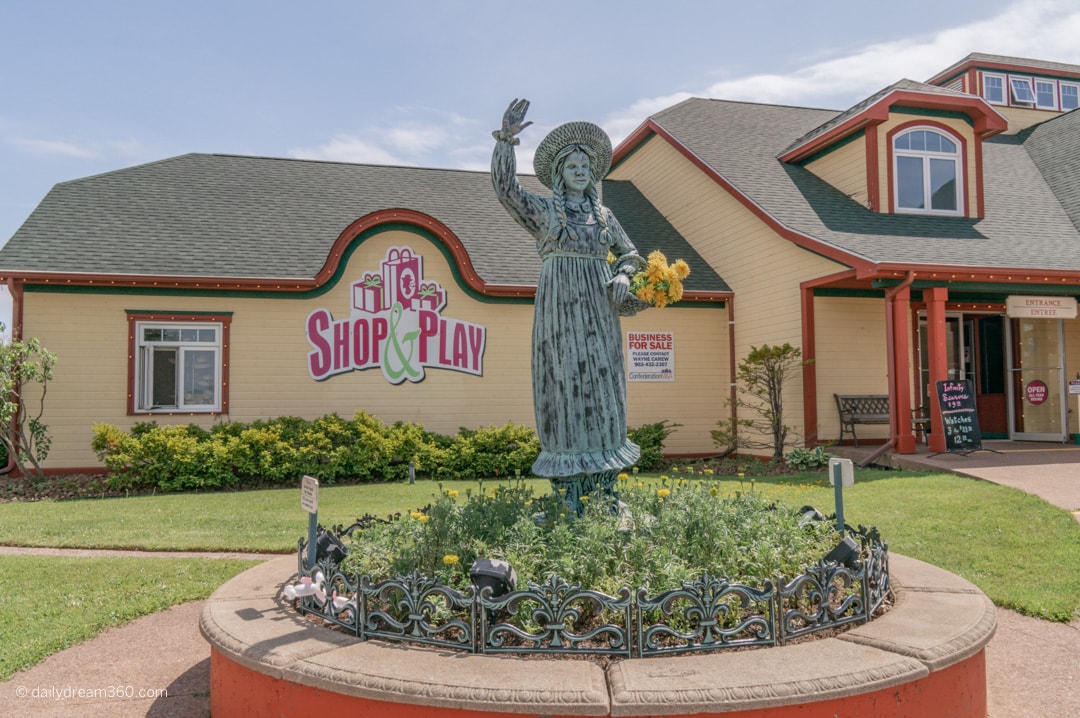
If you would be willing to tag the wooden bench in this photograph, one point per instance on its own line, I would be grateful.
(861, 409)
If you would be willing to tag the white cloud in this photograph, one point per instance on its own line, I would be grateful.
(54, 147)
(348, 148)
(1045, 29)
(417, 134)
(85, 151)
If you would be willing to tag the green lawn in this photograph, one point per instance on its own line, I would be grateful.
(260, 521)
(48, 603)
(1023, 552)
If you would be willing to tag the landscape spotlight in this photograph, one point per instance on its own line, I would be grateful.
(846, 553)
(493, 573)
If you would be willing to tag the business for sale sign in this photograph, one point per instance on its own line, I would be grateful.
(650, 356)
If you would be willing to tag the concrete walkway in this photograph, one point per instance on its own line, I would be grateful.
(159, 665)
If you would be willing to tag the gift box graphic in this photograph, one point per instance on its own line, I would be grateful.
(368, 293)
(401, 277)
(431, 296)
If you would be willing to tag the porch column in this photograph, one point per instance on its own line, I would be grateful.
(901, 379)
(935, 299)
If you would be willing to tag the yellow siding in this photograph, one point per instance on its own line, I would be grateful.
(269, 375)
(852, 358)
(764, 269)
(845, 169)
(1020, 118)
(959, 127)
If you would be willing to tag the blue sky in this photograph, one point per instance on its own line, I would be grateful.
(90, 87)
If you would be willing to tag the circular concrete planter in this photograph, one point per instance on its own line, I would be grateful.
(923, 658)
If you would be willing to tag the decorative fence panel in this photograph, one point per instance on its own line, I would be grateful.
(557, 617)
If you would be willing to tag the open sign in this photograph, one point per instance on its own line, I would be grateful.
(1036, 391)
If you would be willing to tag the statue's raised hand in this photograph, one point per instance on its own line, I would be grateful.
(513, 122)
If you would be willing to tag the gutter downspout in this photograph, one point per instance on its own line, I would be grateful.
(732, 374)
(890, 341)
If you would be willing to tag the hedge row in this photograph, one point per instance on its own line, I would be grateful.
(332, 449)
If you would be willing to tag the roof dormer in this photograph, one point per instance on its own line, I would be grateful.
(1024, 91)
(911, 148)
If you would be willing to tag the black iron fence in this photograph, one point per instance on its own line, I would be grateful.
(557, 617)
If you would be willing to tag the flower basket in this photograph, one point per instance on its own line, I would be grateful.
(631, 306)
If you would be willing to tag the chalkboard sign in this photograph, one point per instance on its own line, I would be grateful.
(961, 421)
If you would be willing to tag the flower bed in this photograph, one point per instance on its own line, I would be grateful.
(678, 569)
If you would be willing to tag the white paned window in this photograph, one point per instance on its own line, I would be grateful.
(1022, 91)
(1046, 94)
(178, 366)
(994, 89)
(926, 172)
(1070, 96)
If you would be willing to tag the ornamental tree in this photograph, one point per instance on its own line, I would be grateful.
(760, 378)
(26, 368)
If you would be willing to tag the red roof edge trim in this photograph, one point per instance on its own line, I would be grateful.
(986, 119)
(285, 284)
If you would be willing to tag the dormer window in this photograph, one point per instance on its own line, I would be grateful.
(1046, 94)
(1070, 96)
(994, 89)
(926, 171)
(1022, 92)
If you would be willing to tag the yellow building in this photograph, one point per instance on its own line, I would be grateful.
(931, 233)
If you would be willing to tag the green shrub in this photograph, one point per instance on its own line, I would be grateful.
(491, 451)
(651, 438)
(808, 459)
(333, 449)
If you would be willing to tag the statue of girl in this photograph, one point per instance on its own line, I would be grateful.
(579, 385)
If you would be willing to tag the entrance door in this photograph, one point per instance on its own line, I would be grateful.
(1037, 401)
(974, 350)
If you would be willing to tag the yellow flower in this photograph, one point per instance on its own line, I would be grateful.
(664, 477)
(714, 491)
(682, 269)
(663, 493)
(584, 499)
(624, 476)
(639, 485)
(709, 471)
(452, 493)
(424, 518)
(415, 514)
(450, 559)
(675, 469)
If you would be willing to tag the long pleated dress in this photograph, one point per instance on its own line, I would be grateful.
(579, 385)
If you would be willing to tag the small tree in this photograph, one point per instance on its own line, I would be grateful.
(761, 380)
(24, 364)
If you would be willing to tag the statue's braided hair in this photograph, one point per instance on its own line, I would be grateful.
(558, 187)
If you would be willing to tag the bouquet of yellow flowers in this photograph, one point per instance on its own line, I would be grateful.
(659, 283)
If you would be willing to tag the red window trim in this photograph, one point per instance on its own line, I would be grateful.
(178, 317)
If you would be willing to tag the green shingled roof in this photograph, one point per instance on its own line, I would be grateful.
(203, 215)
(1026, 224)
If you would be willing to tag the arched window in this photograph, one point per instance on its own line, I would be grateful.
(926, 172)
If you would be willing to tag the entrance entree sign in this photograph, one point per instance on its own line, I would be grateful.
(958, 415)
(396, 324)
